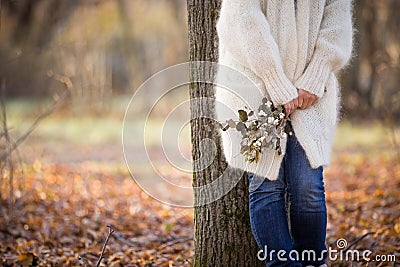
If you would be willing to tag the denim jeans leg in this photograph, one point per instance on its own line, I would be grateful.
(268, 220)
(308, 215)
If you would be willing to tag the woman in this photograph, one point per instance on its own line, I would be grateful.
(291, 50)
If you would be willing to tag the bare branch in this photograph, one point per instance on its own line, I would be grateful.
(42, 116)
(8, 146)
(358, 240)
(173, 242)
(3, 113)
(110, 232)
(123, 240)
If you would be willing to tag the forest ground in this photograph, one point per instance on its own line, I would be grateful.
(74, 183)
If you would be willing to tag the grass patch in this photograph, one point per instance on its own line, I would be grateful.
(89, 128)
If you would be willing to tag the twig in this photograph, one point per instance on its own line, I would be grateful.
(19, 163)
(358, 240)
(3, 134)
(33, 127)
(8, 160)
(82, 257)
(173, 242)
(123, 240)
(110, 232)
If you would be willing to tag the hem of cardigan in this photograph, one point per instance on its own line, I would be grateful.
(317, 154)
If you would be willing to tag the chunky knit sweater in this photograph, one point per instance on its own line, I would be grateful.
(281, 46)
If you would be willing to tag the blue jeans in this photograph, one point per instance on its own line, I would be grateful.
(299, 227)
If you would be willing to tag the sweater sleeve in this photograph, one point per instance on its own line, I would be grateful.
(246, 35)
(333, 47)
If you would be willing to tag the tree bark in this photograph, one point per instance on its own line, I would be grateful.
(222, 229)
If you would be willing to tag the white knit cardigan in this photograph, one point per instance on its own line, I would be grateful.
(281, 47)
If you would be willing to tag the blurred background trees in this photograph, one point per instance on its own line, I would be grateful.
(99, 48)
(94, 48)
(371, 82)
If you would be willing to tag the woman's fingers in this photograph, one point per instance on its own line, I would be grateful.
(291, 106)
(310, 101)
(295, 103)
(306, 99)
(315, 100)
(303, 101)
(300, 100)
(287, 109)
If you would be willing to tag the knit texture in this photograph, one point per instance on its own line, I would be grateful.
(280, 48)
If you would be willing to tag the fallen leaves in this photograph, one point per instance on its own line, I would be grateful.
(27, 259)
(62, 212)
(363, 195)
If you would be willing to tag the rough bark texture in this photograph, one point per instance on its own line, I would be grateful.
(222, 229)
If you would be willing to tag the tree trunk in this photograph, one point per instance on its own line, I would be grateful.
(222, 229)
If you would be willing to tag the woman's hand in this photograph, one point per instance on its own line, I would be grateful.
(306, 99)
(291, 106)
(303, 101)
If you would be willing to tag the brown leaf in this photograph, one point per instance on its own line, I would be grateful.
(28, 259)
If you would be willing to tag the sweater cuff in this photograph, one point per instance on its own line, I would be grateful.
(279, 88)
(315, 77)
